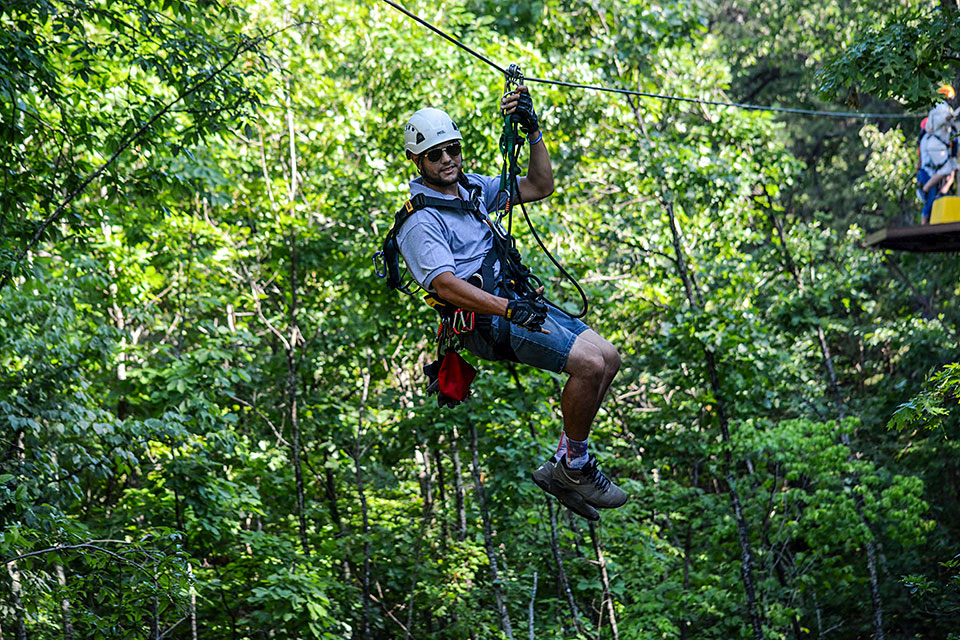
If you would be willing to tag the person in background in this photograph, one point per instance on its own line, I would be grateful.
(922, 175)
(938, 163)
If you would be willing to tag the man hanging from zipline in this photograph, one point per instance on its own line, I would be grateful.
(467, 262)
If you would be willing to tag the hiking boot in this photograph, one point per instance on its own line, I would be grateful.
(543, 478)
(589, 483)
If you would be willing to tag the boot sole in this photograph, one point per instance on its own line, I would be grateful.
(571, 500)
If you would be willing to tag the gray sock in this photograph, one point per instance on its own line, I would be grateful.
(576, 453)
(561, 447)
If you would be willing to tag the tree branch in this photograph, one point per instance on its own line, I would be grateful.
(41, 230)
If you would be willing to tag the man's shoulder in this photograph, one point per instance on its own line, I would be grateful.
(479, 178)
(484, 182)
(428, 221)
(425, 215)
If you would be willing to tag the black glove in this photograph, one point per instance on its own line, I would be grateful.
(525, 116)
(526, 313)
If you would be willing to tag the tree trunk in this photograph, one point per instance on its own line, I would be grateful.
(441, 490)
(693, 297)
(604, 580)
(488, 537)
(64, 604)
(293, 366)
(834, 387)
(16, 591)
(119, 321)
(424, 522)
(458, 486)
(330, 488)
(425, 476)
(154, 618)
(688, 553)
(193, 606)
(365, 531)
(561, 572)
(533, 598)
(743, 533)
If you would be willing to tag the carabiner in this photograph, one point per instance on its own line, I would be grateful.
(463, 321)
(379, 265)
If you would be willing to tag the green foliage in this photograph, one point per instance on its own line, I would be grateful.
(906, 57)
(931, 407)
(81, 83)
(213, 412)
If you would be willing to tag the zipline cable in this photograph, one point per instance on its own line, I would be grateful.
(657, 96)
(719, 103)
(444, 35)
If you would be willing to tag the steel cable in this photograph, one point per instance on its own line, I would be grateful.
(657, 96)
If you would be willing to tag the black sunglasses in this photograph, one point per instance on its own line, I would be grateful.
(453, 150)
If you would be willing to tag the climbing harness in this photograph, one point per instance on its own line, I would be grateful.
(450, 375)
(948, 145)
(386, 262)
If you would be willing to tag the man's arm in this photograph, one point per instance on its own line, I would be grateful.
(526, 313)
(462, 294)
(945, 188)
(538, 183)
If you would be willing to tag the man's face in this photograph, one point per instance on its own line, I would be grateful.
(445, 169)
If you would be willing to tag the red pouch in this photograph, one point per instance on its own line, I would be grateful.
(455, 376)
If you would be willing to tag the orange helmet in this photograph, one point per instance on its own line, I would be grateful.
(947, 91)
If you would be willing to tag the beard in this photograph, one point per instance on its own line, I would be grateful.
(434, 178)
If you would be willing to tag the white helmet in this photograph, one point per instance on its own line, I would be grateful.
(429, 127)
(940, 119)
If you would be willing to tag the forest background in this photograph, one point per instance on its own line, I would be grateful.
(213, 415)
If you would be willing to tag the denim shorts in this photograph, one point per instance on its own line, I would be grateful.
(537, 349)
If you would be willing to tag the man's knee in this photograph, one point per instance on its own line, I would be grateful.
(586, 360)
(611, 357)
(612, 360)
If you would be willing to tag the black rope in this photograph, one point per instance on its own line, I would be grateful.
(556, 263)
(658, 96)
(510, 145)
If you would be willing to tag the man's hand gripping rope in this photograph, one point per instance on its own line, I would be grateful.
(529, 313)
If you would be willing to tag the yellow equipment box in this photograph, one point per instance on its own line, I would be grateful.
(945, 209)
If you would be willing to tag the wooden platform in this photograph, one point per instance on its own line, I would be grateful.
(931, 238)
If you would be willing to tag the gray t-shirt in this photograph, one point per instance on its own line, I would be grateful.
(935, 156)
(434, 241)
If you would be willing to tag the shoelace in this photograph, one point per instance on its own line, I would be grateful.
(591, 471)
